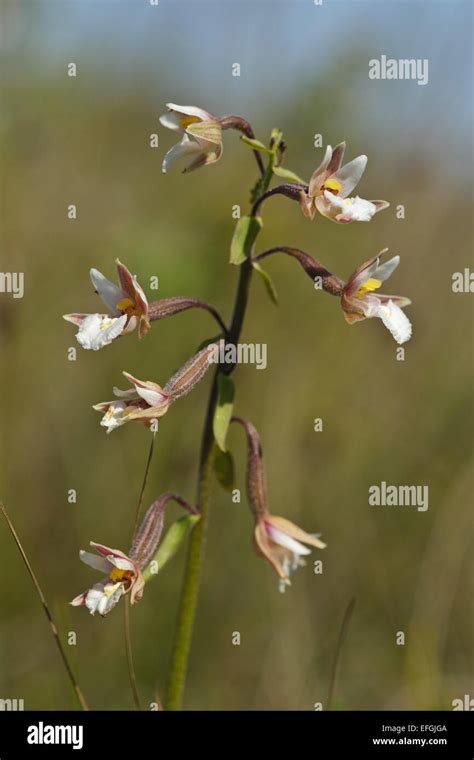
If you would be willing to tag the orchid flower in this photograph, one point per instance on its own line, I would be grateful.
(276, 539)
(330, 186)
(123, 577)
(359, 301)
(201, 136)
(128, 308)
(282, 544)
(145, 402)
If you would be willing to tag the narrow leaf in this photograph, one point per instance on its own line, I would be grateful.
(224, 468)
(170, 545)
(255, 144)
(267, 281)
(224, 406)
(246, 230)
(280, 171)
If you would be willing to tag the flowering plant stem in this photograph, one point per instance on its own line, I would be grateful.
(192, 576)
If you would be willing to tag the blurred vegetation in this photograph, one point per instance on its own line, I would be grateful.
(86, 141)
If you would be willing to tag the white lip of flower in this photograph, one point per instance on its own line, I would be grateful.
(348, 209)
(394, 320)
(98, 330)
(201, 136)
(114, 416)
(103, 597)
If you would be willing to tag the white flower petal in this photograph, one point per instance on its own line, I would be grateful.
(130, 393)
(110, 293)
(348, 209)
(171, 120)
(190, 111)
(94, 597)
(122, 563)
(98, 330)
(185, 147)
(152, 397)
(94, 561)
(384, 271)
(114, 416)
(283, 539)
(349, 175)
(103, 597)
(395, 320)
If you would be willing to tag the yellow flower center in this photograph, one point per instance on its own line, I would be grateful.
(105, 323)
(332, 185)
(187, 120)
(123, 577)
(369, 286)
(116, 574)
(126, 306)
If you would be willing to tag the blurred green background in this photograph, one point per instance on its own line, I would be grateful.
(85, 140)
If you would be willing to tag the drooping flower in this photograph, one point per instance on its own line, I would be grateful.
(330, 186)
(276, 539)
(145, 402)
(359, 301)
(201, 136)
(282, 544)
(123, 576)
(128, 309)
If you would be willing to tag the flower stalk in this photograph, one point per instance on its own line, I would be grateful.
(192, 576)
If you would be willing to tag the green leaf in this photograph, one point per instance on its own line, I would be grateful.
(224, 468)
(267, 281)
(287, 174)
(224, 406)
(246, 230)
(170, 545)
(256, 144)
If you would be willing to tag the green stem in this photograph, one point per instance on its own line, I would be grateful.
(194, 561)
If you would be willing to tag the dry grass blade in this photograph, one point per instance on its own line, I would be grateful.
(47, 612)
